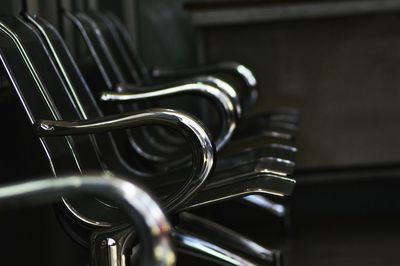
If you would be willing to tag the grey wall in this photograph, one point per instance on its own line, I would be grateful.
(343, 73)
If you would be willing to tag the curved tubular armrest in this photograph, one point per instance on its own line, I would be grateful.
(237, 69)
(150, 222)
(218, 91)
(203, 151)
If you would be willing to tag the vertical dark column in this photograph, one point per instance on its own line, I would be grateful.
(24, 6)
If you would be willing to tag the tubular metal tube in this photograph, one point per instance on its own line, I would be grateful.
(150, 222)
(228, 105)
(238, 70)
(203, 151)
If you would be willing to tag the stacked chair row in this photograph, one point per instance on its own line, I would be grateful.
(106, 121)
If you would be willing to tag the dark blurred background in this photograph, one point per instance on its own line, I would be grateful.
(337, 61)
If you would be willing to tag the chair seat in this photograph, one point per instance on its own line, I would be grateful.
(247, 179)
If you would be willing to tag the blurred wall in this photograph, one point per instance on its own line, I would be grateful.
(165, 34)
(343, 73)
(10, 7)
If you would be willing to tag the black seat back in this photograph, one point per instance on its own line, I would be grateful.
(116, 148)
(35, 82)
(144, 142)
(123, 36)
(33, 95)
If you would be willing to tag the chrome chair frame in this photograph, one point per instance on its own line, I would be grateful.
(195, 233)
(284, 116)
(224, 97)
(260, 182)
(149, 92)
(83, 18)
(202, 147)
(129, 96)
(150, 223)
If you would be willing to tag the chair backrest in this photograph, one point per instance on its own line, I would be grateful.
(35, 81)
(121, 56)
(99, 50)
(144, 142)
(108, 31)
(76, 86)
(127, 42)
(113, 46)
(87, 104)
(33, 95)
(60, 101)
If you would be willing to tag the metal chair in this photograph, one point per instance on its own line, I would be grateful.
(99, 41)
(108, 53)
(71, 147)
(149, 222)
(282, 118)
(266, 162)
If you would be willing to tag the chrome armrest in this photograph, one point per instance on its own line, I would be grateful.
(151, 224)
(236, 69)
(216, 90)
(203, 151)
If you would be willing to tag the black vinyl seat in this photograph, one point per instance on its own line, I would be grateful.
(75, 139)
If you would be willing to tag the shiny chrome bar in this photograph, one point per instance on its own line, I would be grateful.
(218, 91)
(264, 203)
(238, 70)
(229, 239)
(198, 247)
(151, 224)
(203, 151)
(113, 246)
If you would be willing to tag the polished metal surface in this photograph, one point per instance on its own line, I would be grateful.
(238, 70)
(72, 76)
(284, 158)
(61, 128)
(203, 156)
(203, 152)
(217, 197)
(198, 247)
(151, 224)
(282, 129)
(267, 204)
(241, 185)
(113, 246)
(226, 88)
(122, 38)
(236, 182)
(111, 74)
(227, 238)
(258, 142)
(229, 109)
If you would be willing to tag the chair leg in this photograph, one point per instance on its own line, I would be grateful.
(201, 248)
(264, 203)
(209, 240)
(277, 209)
(112, 246)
